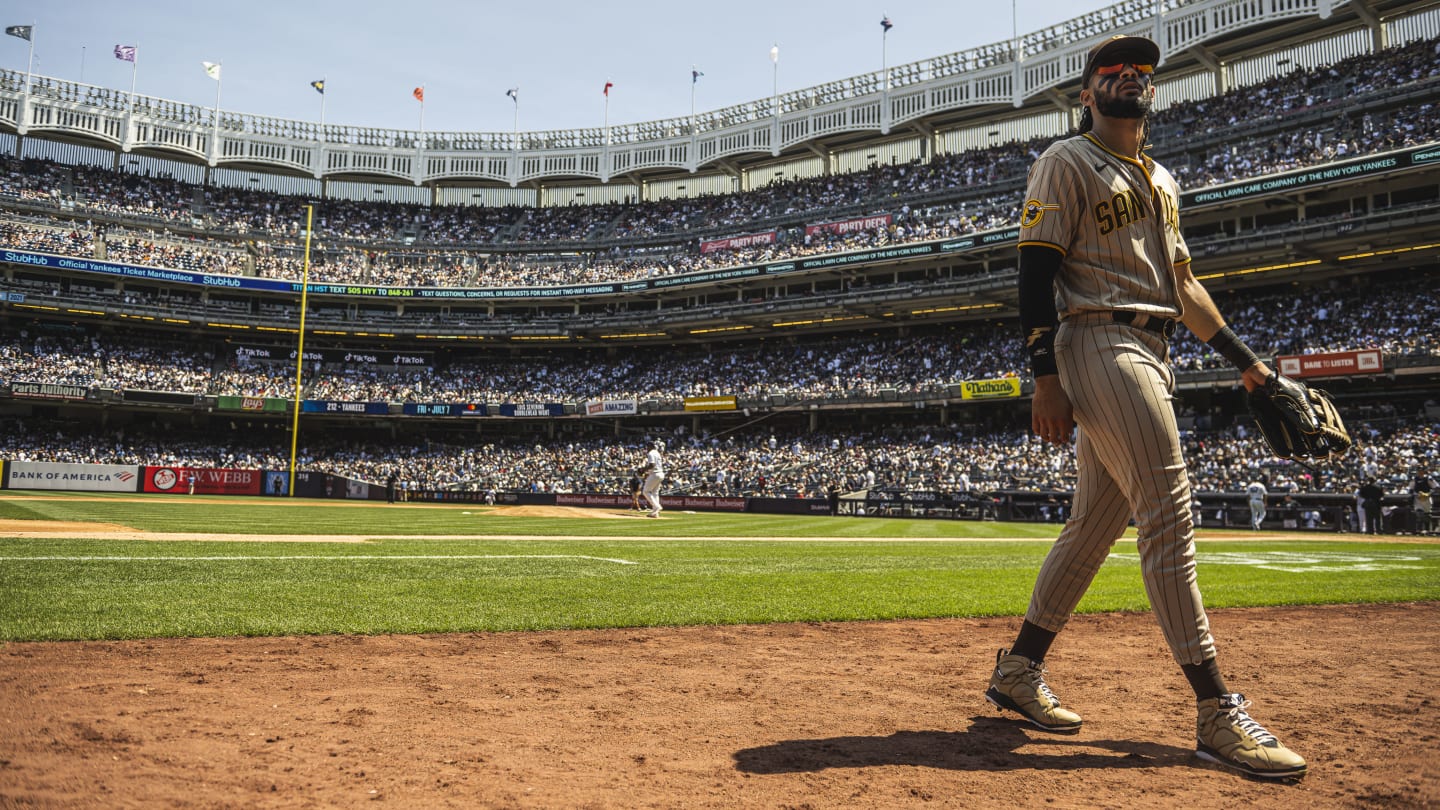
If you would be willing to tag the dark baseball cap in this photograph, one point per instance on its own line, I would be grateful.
(1119, 48)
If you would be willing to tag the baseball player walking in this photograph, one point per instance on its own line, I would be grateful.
(1104, 275)
(1257, 493)
(654, 471)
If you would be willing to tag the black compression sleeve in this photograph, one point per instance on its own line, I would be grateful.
(1038, 266)
(1232, 348)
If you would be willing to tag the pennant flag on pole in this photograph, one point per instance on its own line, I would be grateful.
(608, 85)
(513, 94)
(695, 75)
(125, 53)
(21, 31)
(419, 94)
(319, 86)
(886, 24)
(775, 54)
(212, 70)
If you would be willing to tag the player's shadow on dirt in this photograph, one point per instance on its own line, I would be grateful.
(990, 744)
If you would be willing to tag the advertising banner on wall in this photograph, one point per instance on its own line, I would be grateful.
(990, 389)
(532, 409)
(733, 242)
(82, 477)
(333, 406)
(30, 390)
(208, 481)
(1331, 364)
(670, 502)
(849, 225)
(266, 404)
(711, 403)
(612, 407)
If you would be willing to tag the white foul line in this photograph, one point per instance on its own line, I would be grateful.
(340, 557)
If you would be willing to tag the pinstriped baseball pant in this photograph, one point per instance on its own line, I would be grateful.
(1130, 464)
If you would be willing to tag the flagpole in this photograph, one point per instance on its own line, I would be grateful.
(82, 64)
(885, 73)
(515, 127)
(884, 57)
(694, 80)
(775, 99)
(322, 109)
(775, 79)
(422, 112)
(30, 65)
(219, 79)
(134, 69)
(607, 113)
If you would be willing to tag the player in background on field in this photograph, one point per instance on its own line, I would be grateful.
(1257, 493)
(634, 485)
(654, 472)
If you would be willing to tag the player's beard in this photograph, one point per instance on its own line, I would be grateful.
(1116, 107)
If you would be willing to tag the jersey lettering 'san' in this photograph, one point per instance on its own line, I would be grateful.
(1118, 211)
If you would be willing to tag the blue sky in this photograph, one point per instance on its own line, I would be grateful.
(467, 54)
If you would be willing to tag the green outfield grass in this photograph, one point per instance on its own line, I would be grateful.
(602, 572)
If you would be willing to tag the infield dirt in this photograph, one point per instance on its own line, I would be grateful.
(875, 714)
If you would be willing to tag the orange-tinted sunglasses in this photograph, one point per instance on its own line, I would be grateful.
(1111, 70)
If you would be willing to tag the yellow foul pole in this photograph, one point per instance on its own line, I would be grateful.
(300, 354)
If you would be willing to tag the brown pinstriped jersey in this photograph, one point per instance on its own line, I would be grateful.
(1116, 222)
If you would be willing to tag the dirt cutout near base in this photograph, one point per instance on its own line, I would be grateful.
(857, 714)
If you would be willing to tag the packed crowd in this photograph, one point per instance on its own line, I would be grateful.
(368, 240)
(755, 461)
(1397, 317)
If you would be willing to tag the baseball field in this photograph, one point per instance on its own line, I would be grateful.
(210, 652)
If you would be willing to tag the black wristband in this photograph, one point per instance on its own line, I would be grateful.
(1040, 345)
(1232, 348)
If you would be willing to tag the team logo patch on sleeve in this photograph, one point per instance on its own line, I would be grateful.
(1034, 211)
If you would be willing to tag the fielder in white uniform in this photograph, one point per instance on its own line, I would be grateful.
(1257, 494)
(1104, 276)
(654, 470)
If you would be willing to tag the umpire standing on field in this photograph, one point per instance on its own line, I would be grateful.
(1104, 276)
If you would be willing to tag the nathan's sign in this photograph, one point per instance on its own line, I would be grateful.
(850, 225)
(29, 390)
(711, 403)
(1331, 364)
(735, 242)
(990, 389)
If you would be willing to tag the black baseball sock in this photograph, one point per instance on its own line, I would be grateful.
(1033, 642)
(1205, 679)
